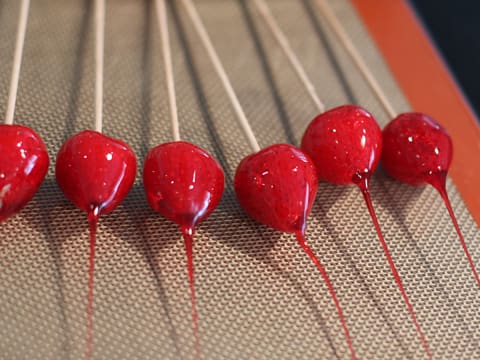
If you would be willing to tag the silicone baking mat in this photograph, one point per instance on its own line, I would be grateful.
(259, 296)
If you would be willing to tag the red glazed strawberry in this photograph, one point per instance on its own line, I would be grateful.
(417, 150)
(344, 143)
(277, 186)
(23, 166)
(95, 171)
(183, 182)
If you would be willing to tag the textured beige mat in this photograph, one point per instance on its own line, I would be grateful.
(259, 297)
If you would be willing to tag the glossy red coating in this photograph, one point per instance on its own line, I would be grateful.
(277, 186)
(344, 143)
(95, 171)
(183, 182)
(23, 166)
(416, 149)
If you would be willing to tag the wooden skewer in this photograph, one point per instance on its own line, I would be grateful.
(17, 61)
(212, 54)
(167, 59)
(281, 39)
(99, 54)
(345, 40)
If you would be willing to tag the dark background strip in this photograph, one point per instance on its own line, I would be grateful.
(455, 28)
